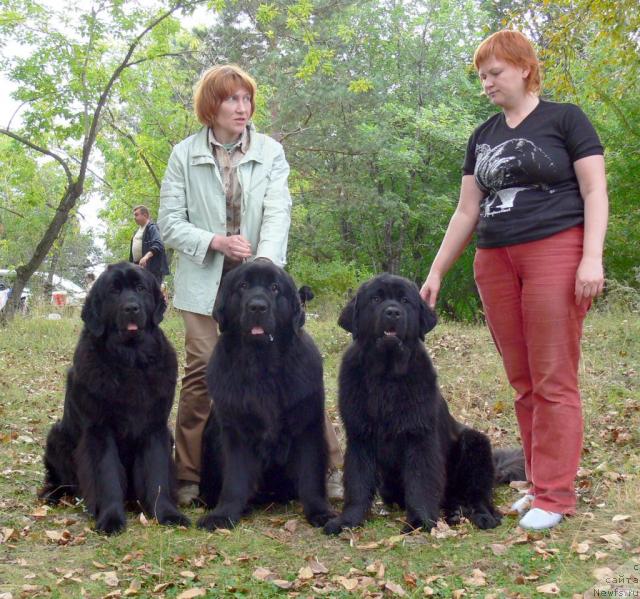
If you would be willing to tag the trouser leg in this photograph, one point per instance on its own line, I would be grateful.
(194, 405)
(553, 328)
(335, 453)
(500, 289)
(546, 330)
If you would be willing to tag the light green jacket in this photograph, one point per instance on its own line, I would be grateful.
(193, 210)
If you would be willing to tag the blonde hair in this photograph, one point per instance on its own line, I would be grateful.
(215, 85)
(515, 48)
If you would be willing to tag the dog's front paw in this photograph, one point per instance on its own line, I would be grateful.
(174, 518)
(415, 523)
(212, 521)
(111, 521)
(333, 526)
(485, 520)
(319, 519)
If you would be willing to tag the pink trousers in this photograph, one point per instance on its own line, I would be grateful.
(527, 291)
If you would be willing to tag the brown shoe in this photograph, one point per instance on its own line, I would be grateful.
(188, 492)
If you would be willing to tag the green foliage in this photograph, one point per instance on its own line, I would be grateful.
(373, 100)
(590, 53)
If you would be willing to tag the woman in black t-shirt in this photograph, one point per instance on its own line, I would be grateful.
(534, 191)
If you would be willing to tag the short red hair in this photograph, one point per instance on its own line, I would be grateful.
(215, 85)
(515, 48)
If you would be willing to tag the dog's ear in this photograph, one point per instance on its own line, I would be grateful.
(347, 318)
(428, 318)
(297, 299)
(306, 294)
(158, 299)
(220, 306)
(92, 309)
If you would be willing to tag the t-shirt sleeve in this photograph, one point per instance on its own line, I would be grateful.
(469, 164)
(581, 137)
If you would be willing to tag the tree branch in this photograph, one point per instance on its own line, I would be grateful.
(37, 148)
(12, 211)
(133, 142)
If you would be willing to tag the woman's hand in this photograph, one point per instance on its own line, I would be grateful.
(430, 289)
(589, 279)
(235, 247)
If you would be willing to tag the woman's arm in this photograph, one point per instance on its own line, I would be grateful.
(173, 221)
(276, 216)
(590, 173)
(459, 233)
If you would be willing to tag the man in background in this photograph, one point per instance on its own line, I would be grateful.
(147, 248)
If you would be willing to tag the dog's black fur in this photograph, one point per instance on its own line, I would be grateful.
(401, 438)
(264, 440)
(113, 444)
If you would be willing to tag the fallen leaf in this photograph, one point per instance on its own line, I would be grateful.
(368, 546)
(498, 549)
(600, 555)
(458, 593)
(347, 583)
(111, 579)
(396, 589)
(613, 539)
(291, 525)
(620, 518)
(134, 588)
(188, 574)
(40, 513)
(410, 579)
(581, 548)
(282, 584)
(427, 591)
(161, 588)
(6, 534)
(549, 589)
(376, 568)
(478, 578)
(262, 573)
(394, 540)
(192, 593)
(318, 567)
(305, 573)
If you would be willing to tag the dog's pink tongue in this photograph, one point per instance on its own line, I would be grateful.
(257, 331)
(132, 326)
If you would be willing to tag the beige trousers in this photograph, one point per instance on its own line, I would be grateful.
(194, 405)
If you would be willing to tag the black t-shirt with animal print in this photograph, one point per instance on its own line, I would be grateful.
(527, 173)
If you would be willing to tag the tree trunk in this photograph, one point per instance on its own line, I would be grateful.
(25, 271)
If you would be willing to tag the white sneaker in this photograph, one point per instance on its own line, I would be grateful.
(539, 519)
(522, 504)
(335, 489)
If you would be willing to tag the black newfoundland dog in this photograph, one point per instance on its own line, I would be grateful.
(113, 444)
(401, 438)
(264, 440)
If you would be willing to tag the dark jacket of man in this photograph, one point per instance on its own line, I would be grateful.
(151, 241)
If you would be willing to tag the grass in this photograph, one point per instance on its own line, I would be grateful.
(55, 553)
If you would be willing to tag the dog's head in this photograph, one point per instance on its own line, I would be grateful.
(125, 300)
(258, 301)
(389, 311)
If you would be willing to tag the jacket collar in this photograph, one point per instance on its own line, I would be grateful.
(202, 154)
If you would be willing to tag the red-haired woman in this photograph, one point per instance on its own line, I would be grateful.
(224, 199)
(534, 191)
